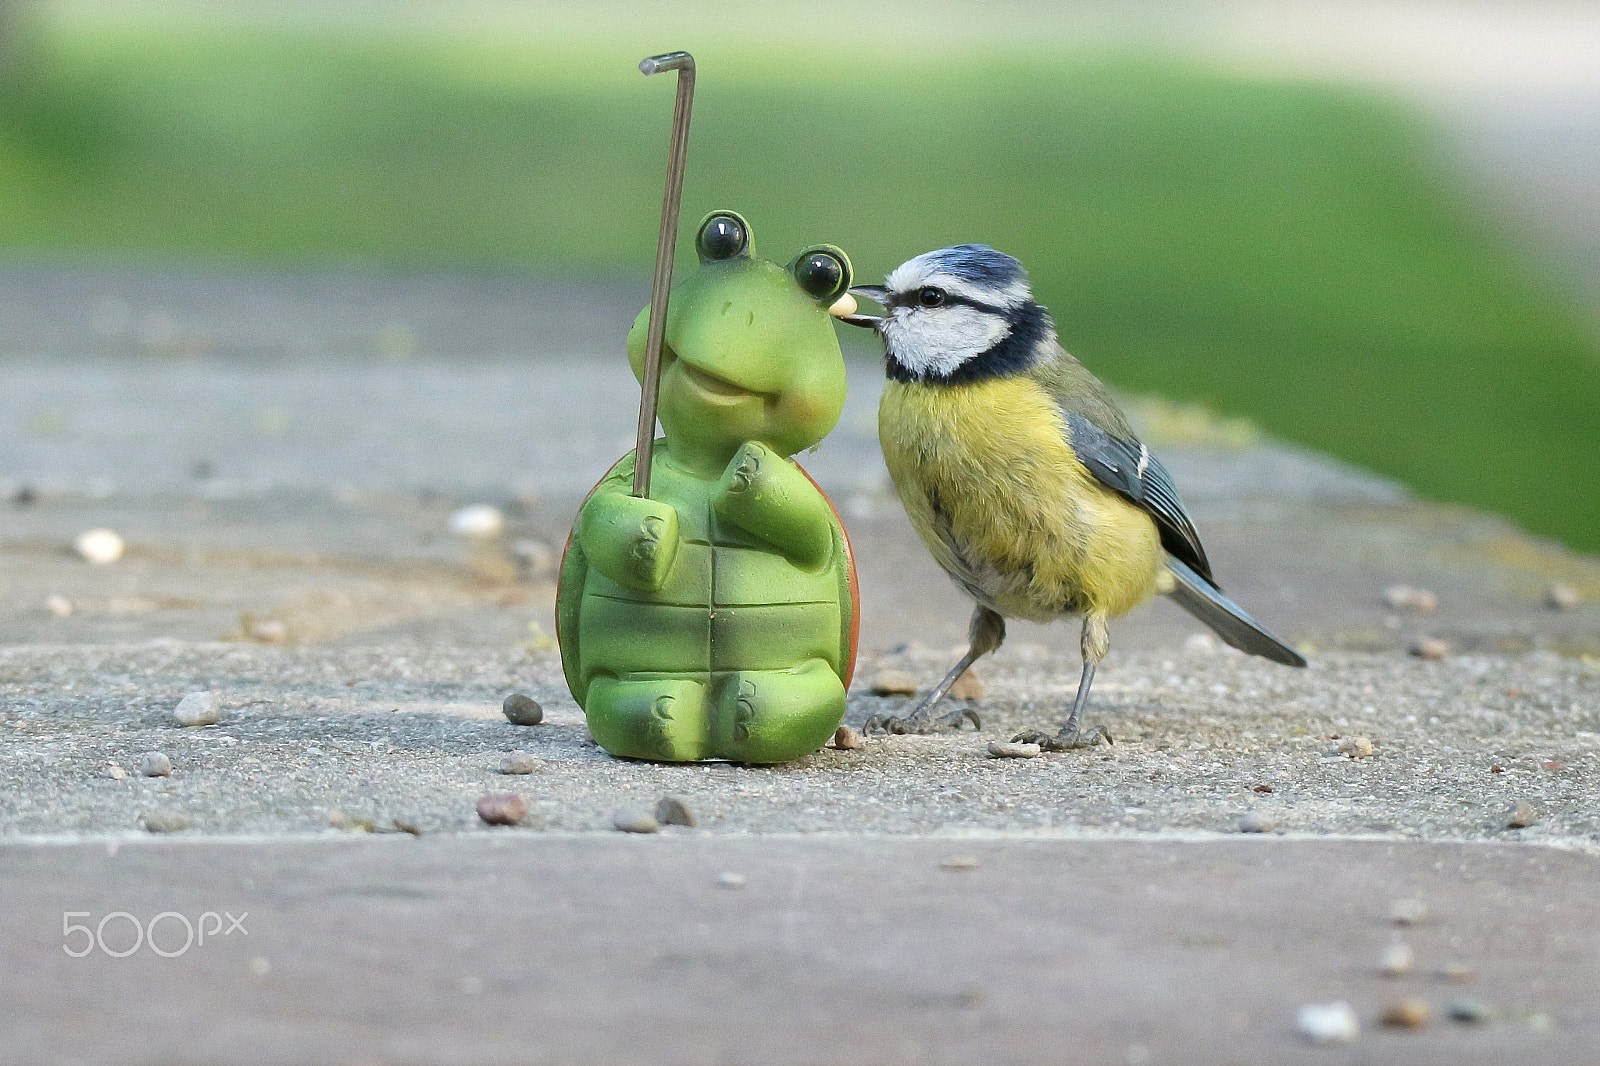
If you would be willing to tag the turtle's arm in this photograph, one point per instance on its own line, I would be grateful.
(632, 540)
(771, 498)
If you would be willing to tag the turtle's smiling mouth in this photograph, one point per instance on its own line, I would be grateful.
(708, 385)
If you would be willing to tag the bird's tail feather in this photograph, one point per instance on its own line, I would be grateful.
(1230, 621)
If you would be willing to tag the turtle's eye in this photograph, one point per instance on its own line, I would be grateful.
(822, 275)
(930, 296)
(722, 237)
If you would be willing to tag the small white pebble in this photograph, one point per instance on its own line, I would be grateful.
(1398, 960)
(1406, 598)
(1356, 747)
(1328, 1023)
(260, 966)
(1430, 648)
(1257, 822)
(58, 606)
(1408, 911)
(1008, 750)
(519, 763)
(197, 708)
(264, 630)
(1522, 815)
(960, 862)
(99, 546)
(1201, 644)
(154, 764)
(731, 880)
(1561, 597)
(479, 520)
(115, 772)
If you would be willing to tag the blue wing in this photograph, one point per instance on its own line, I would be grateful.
(1126, 467)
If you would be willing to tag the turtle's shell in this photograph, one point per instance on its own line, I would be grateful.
(755, 631)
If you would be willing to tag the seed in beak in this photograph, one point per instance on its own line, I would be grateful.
(844, 305)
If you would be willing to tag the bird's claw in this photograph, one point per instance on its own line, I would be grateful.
(916, 723)
(1064, 740)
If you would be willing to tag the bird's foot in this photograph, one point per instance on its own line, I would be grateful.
(1066, 740)
(920, 722)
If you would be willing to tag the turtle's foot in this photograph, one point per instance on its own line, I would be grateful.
(922, 721)
(1066, 740)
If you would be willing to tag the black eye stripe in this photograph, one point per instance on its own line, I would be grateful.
(910, 299)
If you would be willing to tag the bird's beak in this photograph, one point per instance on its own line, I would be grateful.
(877, 294)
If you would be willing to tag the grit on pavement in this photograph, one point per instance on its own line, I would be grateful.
(282, 457)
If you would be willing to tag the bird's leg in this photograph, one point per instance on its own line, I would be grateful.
(1096, 643)
(985, 634)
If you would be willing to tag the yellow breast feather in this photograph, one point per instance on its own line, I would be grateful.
(989, 479)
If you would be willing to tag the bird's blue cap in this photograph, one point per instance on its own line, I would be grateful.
(979, 264)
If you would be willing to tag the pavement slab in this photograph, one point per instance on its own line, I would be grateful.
(838, 949)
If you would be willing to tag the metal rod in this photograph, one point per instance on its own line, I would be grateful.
(666, 244)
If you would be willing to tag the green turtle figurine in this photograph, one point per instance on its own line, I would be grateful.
(716, 617)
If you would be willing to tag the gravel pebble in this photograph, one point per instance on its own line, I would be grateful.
(670, 810)
(521, 709)
(165, 821)
(1356, 747)
(960, 862)
(1561, 597)
(479, 520)
(1406, 598)
(264, 630)
(1328, 1023)
(967, 687)
(99, 546)
(154, 764)
(502, 808)
(58, 605)
(1467, 1010)
(634, 820)
(1455, 970)
(339, 820)
(1257, 822)
(1410, 1013)
(407, 825)
(847, 739)
(1408, 911)
(1005, 749)
(197, 708)
(1398, 960)
(115, 772)
(1430, 648)
(894, 683)
(729, 879)
(1522, 815)
(519, 763)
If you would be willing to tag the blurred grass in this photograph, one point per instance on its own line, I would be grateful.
(1289, 252)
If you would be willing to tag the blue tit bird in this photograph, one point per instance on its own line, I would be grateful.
(1023, 476)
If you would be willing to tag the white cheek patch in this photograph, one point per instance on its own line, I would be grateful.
(919, 272)
(935, 341)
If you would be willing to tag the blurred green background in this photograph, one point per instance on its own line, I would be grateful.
(1290, 251)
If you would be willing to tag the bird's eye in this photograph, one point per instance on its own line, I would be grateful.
(822, 274)
(722, 237)
(930, 296)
